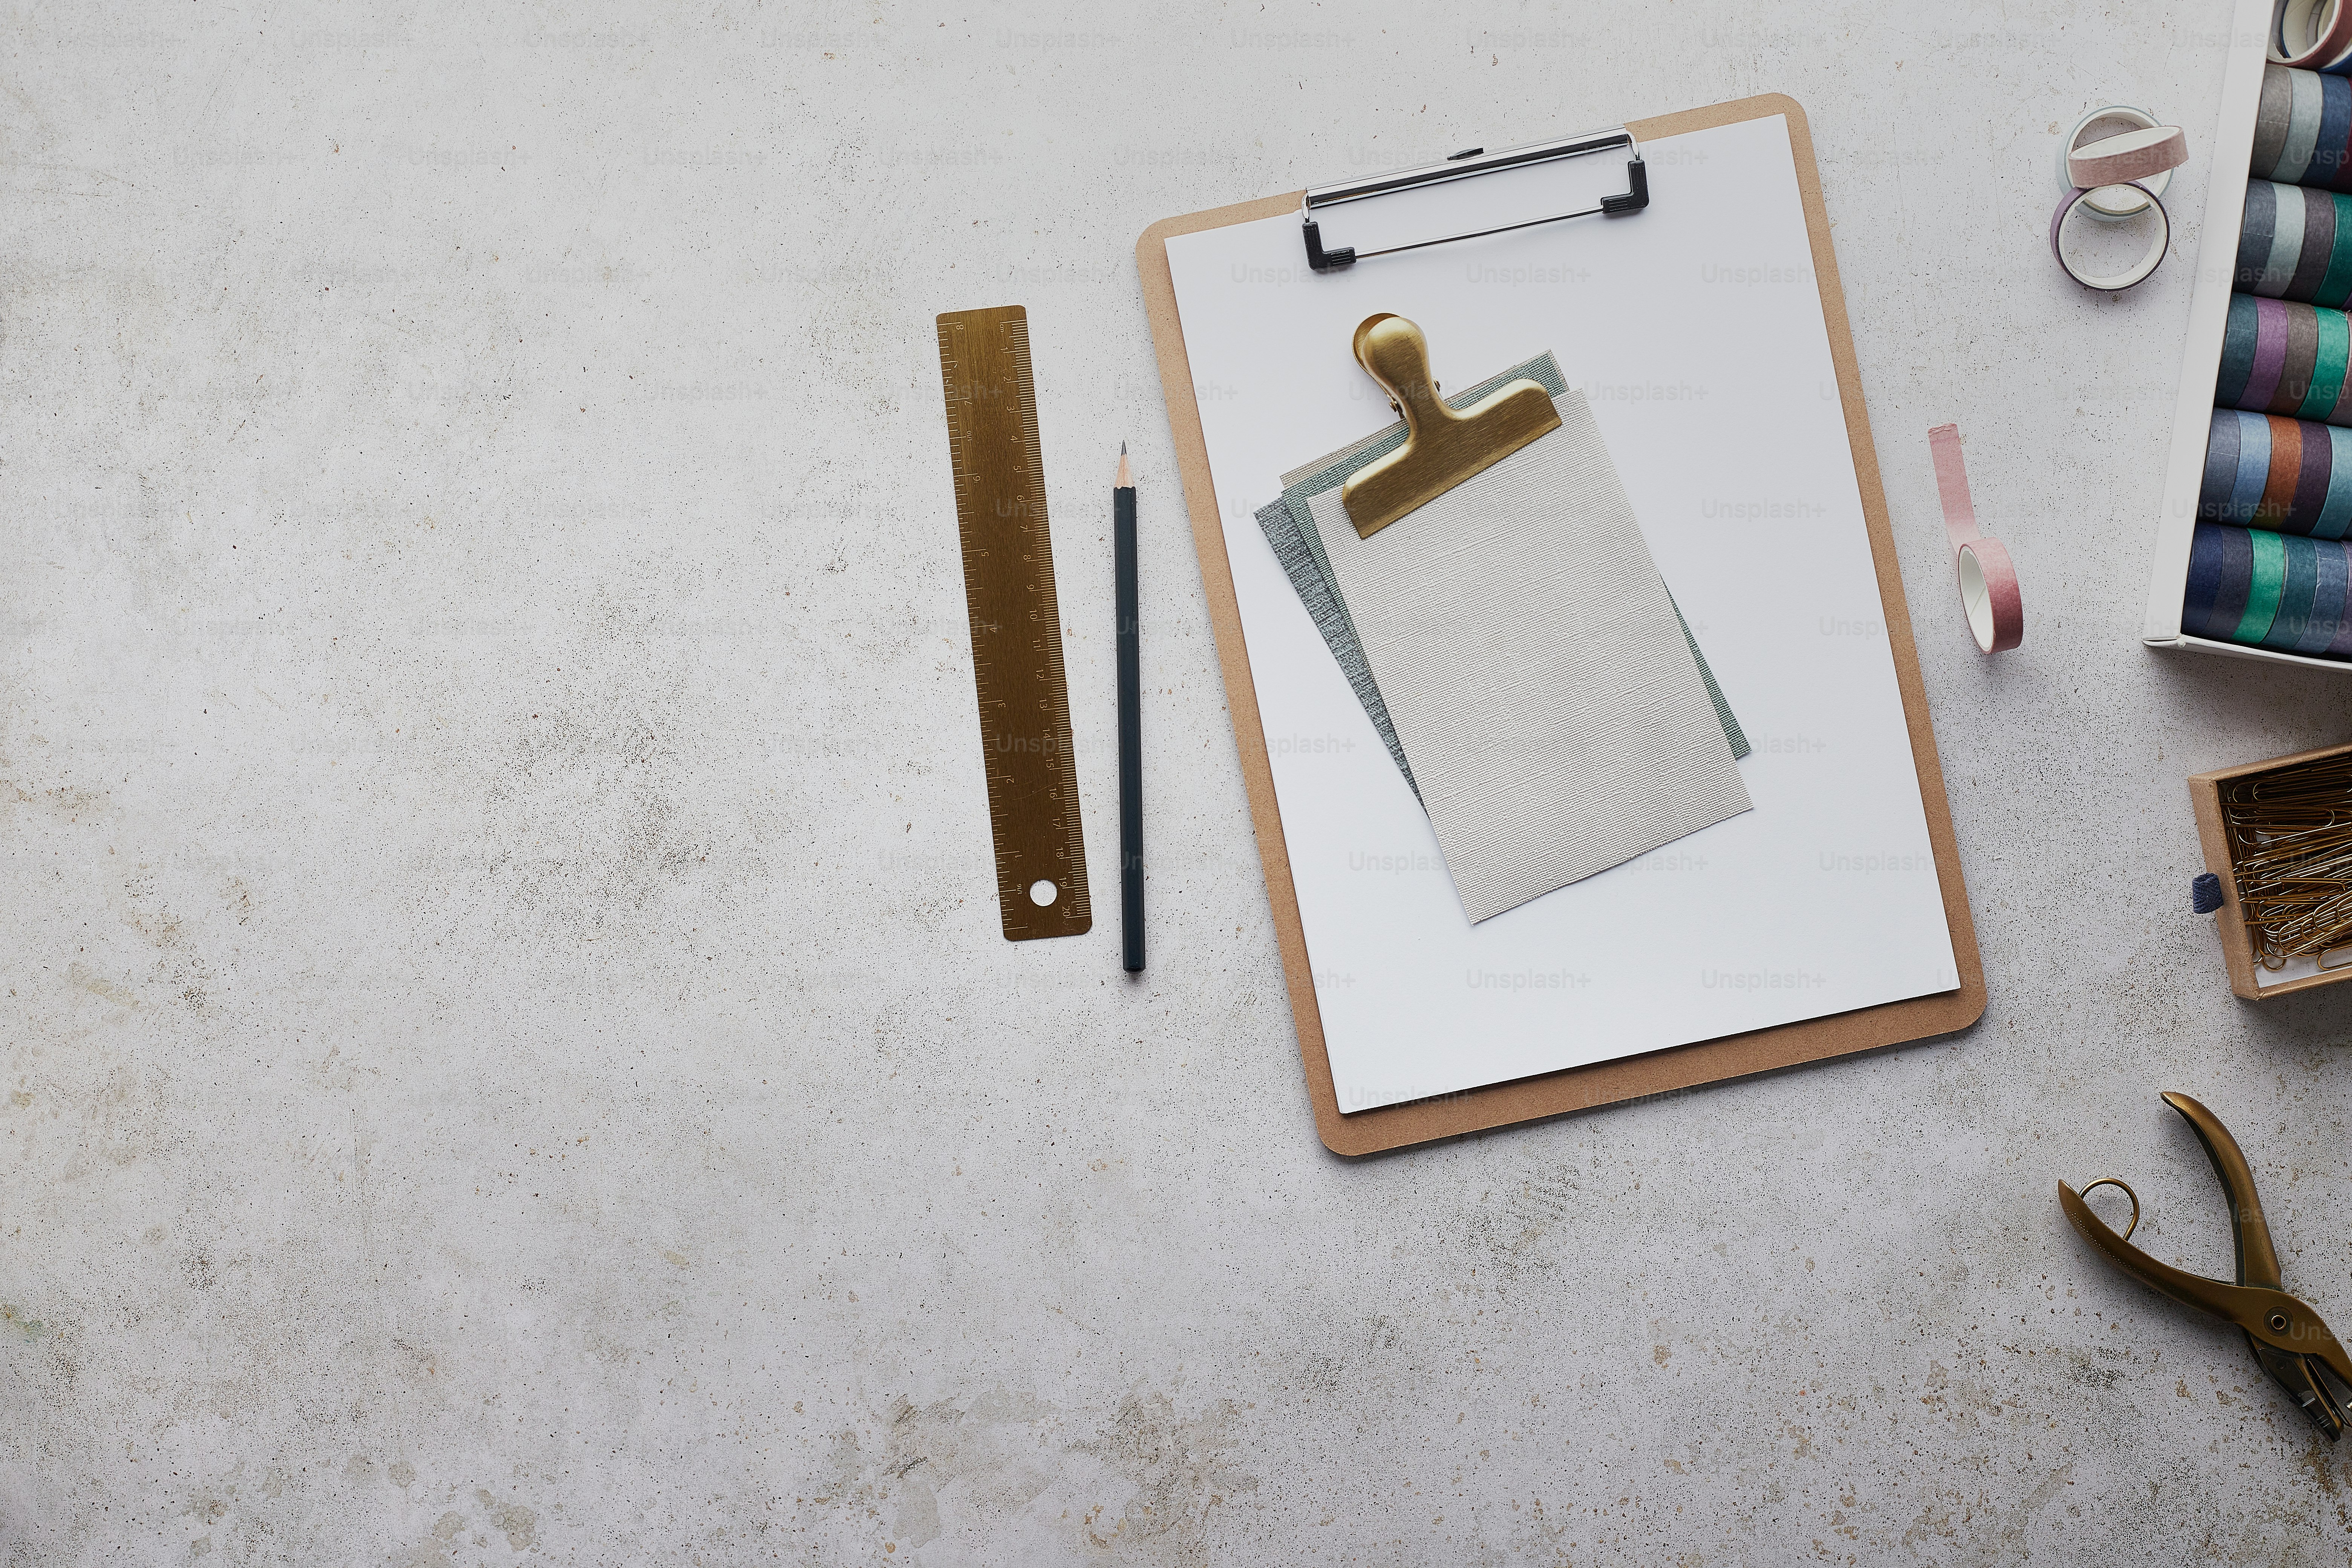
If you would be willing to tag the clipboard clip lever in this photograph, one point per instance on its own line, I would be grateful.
(1469, 165)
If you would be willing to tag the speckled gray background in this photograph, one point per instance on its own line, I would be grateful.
(508, 1052)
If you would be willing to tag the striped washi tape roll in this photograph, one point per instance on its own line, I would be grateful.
(2282, 476)
(2269, 590)
(2297, 244)
(2281, 357)
(2302, 132)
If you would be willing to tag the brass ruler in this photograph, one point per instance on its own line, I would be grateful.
(1017, 623)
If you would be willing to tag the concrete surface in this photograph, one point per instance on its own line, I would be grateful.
(508, 1053)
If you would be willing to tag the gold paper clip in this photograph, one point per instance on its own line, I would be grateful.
(1442, 448)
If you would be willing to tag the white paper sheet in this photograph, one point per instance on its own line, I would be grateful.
(1695, 330)
(1535, 671)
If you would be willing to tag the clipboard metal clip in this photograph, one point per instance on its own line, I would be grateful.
(1469, 165)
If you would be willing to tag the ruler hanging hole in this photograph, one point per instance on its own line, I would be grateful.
(1042, 892)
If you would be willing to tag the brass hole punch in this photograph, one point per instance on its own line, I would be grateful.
(2286, 1336)
(1442, 448)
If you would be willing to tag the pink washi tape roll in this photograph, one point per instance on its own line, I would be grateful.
(2311, 35)
(2112, 204)
(1988, 579)
(2127, 159)
(2119, 177)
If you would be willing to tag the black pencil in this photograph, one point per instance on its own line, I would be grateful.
(1131, 722)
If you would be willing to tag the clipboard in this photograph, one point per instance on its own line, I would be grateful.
(1600, 1083)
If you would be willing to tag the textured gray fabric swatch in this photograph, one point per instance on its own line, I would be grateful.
(1291, 530)
(1330, 617)
(1534, 669)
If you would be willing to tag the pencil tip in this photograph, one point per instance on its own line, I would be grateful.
(1122, 449)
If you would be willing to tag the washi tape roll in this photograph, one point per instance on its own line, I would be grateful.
(2112, 205)
(2113, 178)
(2313, 34)
(2160, 223)
(2267, 590)
(2282, 357)
(2279, 475)
(2135, 157)
(2295, 243)
(2303, 131)
(1988, 592)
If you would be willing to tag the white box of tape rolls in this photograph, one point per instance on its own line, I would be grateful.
(2253, 551)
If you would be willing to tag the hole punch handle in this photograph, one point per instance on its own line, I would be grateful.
(2258, 1261)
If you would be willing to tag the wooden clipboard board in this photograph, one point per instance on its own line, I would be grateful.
(1628, 1077)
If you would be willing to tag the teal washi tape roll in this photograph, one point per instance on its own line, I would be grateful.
(2268, 575)
(2295, 243)
(2298, 584)
(2280, 356)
